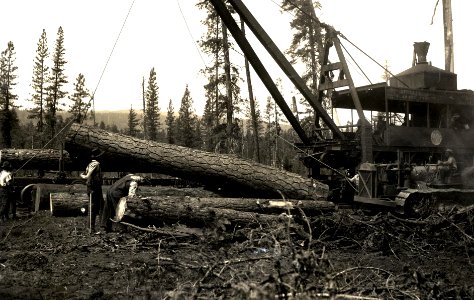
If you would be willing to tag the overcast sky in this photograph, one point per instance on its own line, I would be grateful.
(156, 35)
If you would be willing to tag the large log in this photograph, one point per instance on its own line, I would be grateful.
(132, 154)
(194, 215)
(42, 194)
(35, 159)
(68, 205)
(154, 206)
(199, 211)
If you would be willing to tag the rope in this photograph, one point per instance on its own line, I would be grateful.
(93, 94)
(319, 161)
(365, 75)
(370, 57)
(190, 34)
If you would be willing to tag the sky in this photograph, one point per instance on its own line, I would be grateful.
(162, 34)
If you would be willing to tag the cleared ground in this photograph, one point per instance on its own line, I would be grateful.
(342, 254)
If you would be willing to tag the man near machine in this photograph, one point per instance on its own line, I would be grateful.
(93, 176)
(124, 187)
(448, 166)
(6, 199)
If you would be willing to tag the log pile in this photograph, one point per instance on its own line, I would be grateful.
(123, 152)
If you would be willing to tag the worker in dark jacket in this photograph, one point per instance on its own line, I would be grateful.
(93, 177)
(6, 199)
(124, 187)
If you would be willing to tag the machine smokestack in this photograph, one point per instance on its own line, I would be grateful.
(420, 50)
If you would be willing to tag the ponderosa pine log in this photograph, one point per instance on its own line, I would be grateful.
(125, 153)
(35, 159)
(148, 212)
(68, 205)
(199, 211)
(42, 194)
(149, 206)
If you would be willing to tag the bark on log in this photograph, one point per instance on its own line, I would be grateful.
(148, 212)
(127, 153)
(152, 205)
(35, 159)
(190, 210)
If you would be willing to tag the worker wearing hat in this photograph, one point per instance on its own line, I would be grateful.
(6, 199)
(93, 177)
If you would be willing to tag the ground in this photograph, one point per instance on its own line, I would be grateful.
(337, 255)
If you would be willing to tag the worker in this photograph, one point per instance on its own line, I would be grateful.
(381, 126)
(458, 122)
(93, 176)
(124, 187)
(447, 167)
(6, 195)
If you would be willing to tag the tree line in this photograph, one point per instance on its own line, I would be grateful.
(231, 123)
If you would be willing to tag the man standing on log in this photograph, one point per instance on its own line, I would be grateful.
(124, 187)
(93, 176)
(6, 199)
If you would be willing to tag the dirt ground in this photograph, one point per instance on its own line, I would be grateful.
(346, 254)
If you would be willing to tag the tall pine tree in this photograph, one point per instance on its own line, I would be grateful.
(307, 47)
(152, 109)
(223, 99)
(133, 122)
(57, 82)
(186, 122)
(170, 124)
(80, 104)
(7, 82)
(39, 83)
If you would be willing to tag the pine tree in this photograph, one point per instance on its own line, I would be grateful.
(152, 109)
(133, 122)
(269, 144)
(80, 105)
(186, 122)
(57, 82)
(207, 126)
(255, 122)
(170, 123)
(39, 82)
(222, 89)
(7, 98)
(307, 45)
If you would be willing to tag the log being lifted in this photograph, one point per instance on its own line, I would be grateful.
(161, 207)
(125, 153)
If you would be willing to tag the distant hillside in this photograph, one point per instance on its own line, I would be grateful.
(117, 117)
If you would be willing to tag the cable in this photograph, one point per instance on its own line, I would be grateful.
(342, 36)
(190, 34)
(365, 75)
